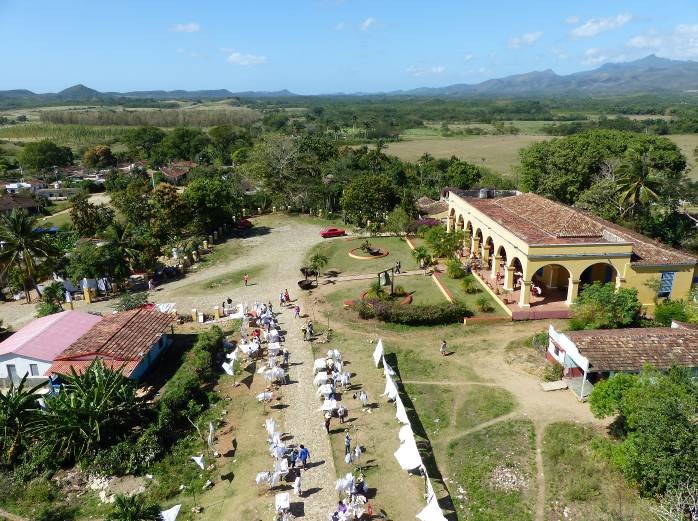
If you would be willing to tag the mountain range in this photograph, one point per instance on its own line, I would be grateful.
(651, 74)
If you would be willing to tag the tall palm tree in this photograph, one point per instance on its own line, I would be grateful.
(638, 183)
(22, 247)
(18, 405)
(422, 256)
(133, 508)
(120, 238)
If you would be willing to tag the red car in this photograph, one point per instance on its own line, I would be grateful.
(244, 224)
(332, 232)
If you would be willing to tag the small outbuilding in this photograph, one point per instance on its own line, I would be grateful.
(31, 350)
(130, 341)
(589, 356)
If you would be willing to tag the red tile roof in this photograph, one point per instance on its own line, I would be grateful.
(63, 366)
(540, 221)
(631, 349)
(120, 337)
(9, 202)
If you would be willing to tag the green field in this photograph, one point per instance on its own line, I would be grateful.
(500, 153)
(64, 135)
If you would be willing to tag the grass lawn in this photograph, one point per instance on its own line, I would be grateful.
(482, 404)
(59, 220)
(475, 461)
(580, 483)
(226, 280)
(688, 143)
(339, 261)
(470, 299)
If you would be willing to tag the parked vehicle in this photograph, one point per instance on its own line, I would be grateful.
(326, 233)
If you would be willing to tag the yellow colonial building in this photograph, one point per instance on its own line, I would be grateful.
(534, 254)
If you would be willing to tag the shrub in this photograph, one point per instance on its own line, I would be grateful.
(364, 309)
(484, 304)
(454, 269)
(399, 291)
(422, 315)
(56, 513)
(129, 301)
(669, 310)
(552, 372)
(112, 461)
(470, 285)
(601, 306)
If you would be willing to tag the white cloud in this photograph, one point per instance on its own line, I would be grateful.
(340, 26)
(593, 57)
(467, 57)
(571, 20)
(525, 39)
(244, 60)
(420, 71)
(559, 53)
(681, 43)
(191, 27)
(595, 26)
(367, 23)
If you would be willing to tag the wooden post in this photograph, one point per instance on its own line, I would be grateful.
(87, 295)
(217, 312)
(194, 315)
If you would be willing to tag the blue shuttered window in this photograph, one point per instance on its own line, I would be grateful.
(666, 283)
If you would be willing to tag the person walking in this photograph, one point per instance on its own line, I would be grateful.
(246, 278)
(297, 312)
(347, 442)
(304, 456)
(287, 297)
(286, 356)
(294, 457)
(442, 349)
(328, 418)
(281, 298)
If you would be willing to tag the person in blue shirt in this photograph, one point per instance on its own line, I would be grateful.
(304, 456)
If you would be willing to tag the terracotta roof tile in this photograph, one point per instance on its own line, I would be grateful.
(540, 221)
(125, 336)
(631, 349)
(63, 366)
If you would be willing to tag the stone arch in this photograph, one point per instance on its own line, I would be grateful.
(552, 282)
(460, 223)
(598, 272)
(488, 250)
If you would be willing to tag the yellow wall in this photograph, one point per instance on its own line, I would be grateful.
(574, 257)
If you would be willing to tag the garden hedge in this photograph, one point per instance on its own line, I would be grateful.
(413, 315)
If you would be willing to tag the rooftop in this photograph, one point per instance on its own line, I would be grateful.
(9, 202)
(540, 221)
(45, 338)
(631, 349)
(120, 337)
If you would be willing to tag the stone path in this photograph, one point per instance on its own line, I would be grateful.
(305, 423)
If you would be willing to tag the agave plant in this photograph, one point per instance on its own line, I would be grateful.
(18, 406)
(133, 508)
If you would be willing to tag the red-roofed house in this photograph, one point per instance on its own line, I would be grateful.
(592, 355)
(538, 253)
(31, 350)
(131, 341)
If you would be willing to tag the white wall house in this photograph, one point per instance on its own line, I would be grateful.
(31, 350)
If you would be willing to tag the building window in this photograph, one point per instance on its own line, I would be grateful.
(666, 283)
(34, 369)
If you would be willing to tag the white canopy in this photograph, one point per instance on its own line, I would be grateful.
(390, 389)
(401, 413)
(170, 514)
(408, 455)
(432, 512)
(378, 352)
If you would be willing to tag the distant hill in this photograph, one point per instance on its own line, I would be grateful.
(645, 76)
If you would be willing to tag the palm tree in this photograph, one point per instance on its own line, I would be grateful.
(638, 183)
(120, 239)
(17, 408)
(133, 509)
(22, 247)
(318, 261)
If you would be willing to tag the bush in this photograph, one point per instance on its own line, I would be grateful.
(56, 513)
(484, 304)
(364, 309)
(454, 269)
(399, 291)
(601, 306)
(669, 310)
(423, 315)
(470, 285)
(112, 461)
(129, 301)
(552, 372)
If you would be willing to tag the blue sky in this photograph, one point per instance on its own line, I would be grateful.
(322, 46)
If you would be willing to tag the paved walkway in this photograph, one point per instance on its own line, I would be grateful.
(305, 423)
